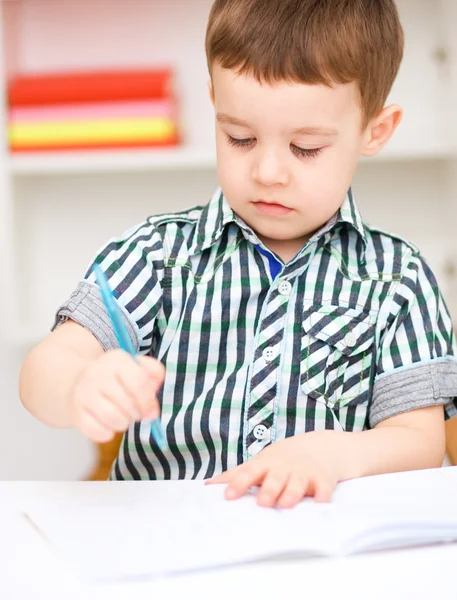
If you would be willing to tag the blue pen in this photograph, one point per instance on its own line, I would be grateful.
(123, 338)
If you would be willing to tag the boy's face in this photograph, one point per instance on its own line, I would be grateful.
(286, 153)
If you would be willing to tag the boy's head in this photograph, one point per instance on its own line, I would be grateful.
(299, 88)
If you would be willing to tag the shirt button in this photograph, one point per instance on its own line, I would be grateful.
(260, 432)
(269, 354)
(350, 340)
(284, 288)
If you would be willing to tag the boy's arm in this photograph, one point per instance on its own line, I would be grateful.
(408, 441)
(313, 463)
(70, 381)
(78, 376)
(51, 369)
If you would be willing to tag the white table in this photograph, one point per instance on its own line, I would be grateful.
(30, 569)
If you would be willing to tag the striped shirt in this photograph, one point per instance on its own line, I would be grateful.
(352, 331)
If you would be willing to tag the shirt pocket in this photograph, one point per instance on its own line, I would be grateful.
(337, 354)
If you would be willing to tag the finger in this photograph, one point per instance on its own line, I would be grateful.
(323, 490)
(93, 429)
(272, 487)
(155, 372)
(224, 477)
(294, 491)
(126, 400)
(113, 389)
(109, 414)
(154, 368)
(250, 475)
(138, 384)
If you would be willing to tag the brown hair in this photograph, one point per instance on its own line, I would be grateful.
(310, 41)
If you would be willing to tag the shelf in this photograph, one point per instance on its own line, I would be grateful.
(61, 163)
(54, 163)
(395, 152)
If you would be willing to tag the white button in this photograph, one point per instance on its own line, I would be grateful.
(260, 432)
(269, 354)
(350, 340)
(284, 287)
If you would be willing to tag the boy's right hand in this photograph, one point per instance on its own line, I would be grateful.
(114, 391)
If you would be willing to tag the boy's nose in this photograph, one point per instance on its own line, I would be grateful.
(269, 169)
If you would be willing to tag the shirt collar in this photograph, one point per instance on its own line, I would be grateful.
(350, 214)
(217, 214)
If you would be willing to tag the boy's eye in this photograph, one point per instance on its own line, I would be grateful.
(308, 153)
(300, 152)
(246, 143)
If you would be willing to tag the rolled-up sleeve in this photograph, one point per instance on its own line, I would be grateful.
(416, 364)
(133, 265)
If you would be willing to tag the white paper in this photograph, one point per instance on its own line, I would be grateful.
(169, 527)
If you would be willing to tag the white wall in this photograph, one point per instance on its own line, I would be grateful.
(28, 449)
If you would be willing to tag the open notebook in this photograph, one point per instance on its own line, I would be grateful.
(137, 529)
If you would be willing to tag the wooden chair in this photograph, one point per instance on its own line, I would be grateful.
(451, 440)
(106, 455)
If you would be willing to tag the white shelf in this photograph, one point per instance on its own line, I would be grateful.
(55, 163)
(61, 163)
(396, 152)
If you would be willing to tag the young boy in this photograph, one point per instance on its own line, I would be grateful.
(284, 343)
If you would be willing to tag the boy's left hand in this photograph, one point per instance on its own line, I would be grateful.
(286, 472)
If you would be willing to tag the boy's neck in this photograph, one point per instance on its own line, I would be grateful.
(287, 250)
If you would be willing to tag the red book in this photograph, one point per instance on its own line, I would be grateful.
(94, 86)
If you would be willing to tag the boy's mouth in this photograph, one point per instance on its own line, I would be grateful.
(272, 208)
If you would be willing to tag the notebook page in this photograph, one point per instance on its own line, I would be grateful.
(400, 509)
(383, 511)
(174, 527)
(402, 493)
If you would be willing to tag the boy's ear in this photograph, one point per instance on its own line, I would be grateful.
(381, 129)
(211, 91)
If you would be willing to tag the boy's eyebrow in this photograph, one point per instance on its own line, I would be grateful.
(324, 131)
(223, 118)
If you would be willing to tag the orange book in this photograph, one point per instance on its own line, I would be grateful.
(95, 86)
(125, 145)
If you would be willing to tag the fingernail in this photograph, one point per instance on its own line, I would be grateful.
(287, 502)
(231, 494)
(153, 415)
(264, 500)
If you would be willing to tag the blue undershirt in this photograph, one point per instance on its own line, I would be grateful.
(275, 265)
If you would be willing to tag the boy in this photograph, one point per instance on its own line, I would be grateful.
(284, 343)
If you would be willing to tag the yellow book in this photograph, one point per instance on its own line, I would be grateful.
(92, 132)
